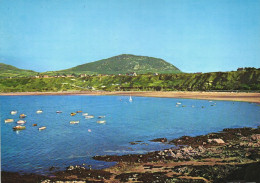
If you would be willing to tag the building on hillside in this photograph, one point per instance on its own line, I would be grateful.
(45, 76)
(156, 74)
(131, 74)
(240, 69)
(70, 76)
(83, 75)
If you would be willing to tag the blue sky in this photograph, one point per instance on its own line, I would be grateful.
(194, 35)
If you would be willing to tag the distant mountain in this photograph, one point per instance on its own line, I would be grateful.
(123, 64)
(11, 71)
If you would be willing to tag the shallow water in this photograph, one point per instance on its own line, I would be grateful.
(63, 144)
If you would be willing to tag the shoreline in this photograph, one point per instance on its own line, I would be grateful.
(228, 155)
(226, 96)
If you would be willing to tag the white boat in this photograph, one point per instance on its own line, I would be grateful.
(58, 111)
(101, 122)
(21, 122)
(42, 128)
(178, 103)
(89, 117)
(74, 122)
(9, 120)
(84, 114)
(39, 111)
(130, 99)
(13, 112)
(101, 116)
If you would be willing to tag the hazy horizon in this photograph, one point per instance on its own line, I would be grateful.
(194, 36)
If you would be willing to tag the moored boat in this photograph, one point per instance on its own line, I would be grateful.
(19, 127)
(9, 120)
(74, 122)
(13, 112)
(101, 122)
(42, 128)
(130, 99)
(101, 116)
(21, 122)
(78, 111)
(58, 111)
(84, 114)
(39, 111)
(89, 117)
(22, 115)
(73, 114)
(178, 103)
(35, 124)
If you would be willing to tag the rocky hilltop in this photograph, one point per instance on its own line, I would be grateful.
(126, 63)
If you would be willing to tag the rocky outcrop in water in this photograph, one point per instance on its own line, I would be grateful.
(233, 154)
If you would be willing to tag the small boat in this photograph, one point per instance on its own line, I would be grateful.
(19, 127)
(84, 114)
(178, 103)
(22, 115)
(42, 128)
(78, 111)
(34, 124)
(89, 117)
(9, 120)
(101, 116)
(74, 122)
(73, 114)
(21, 122)
(58, 111)
(13, 112)
(101, 122)
(130, 99)
(39, 111)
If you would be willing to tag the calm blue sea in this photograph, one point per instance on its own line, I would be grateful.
(63, 144)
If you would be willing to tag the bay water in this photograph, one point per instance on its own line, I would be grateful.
(145, 118)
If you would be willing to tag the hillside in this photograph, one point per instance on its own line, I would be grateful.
(218, 81)
(123, 64)
(11, 71)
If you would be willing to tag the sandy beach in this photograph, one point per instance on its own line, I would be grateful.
(229, 96)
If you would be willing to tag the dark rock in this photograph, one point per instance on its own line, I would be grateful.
(11, 177)
(159, 140)
(52, 168)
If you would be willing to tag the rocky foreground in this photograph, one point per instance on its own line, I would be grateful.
(229, 156)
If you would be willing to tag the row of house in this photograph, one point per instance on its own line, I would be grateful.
(81, 75)
(47, 76)
(85, 75)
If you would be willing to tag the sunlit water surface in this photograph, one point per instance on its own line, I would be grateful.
(63, 144)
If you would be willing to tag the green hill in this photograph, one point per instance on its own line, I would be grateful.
(123, 64)
(11, 71)
(248, 80)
